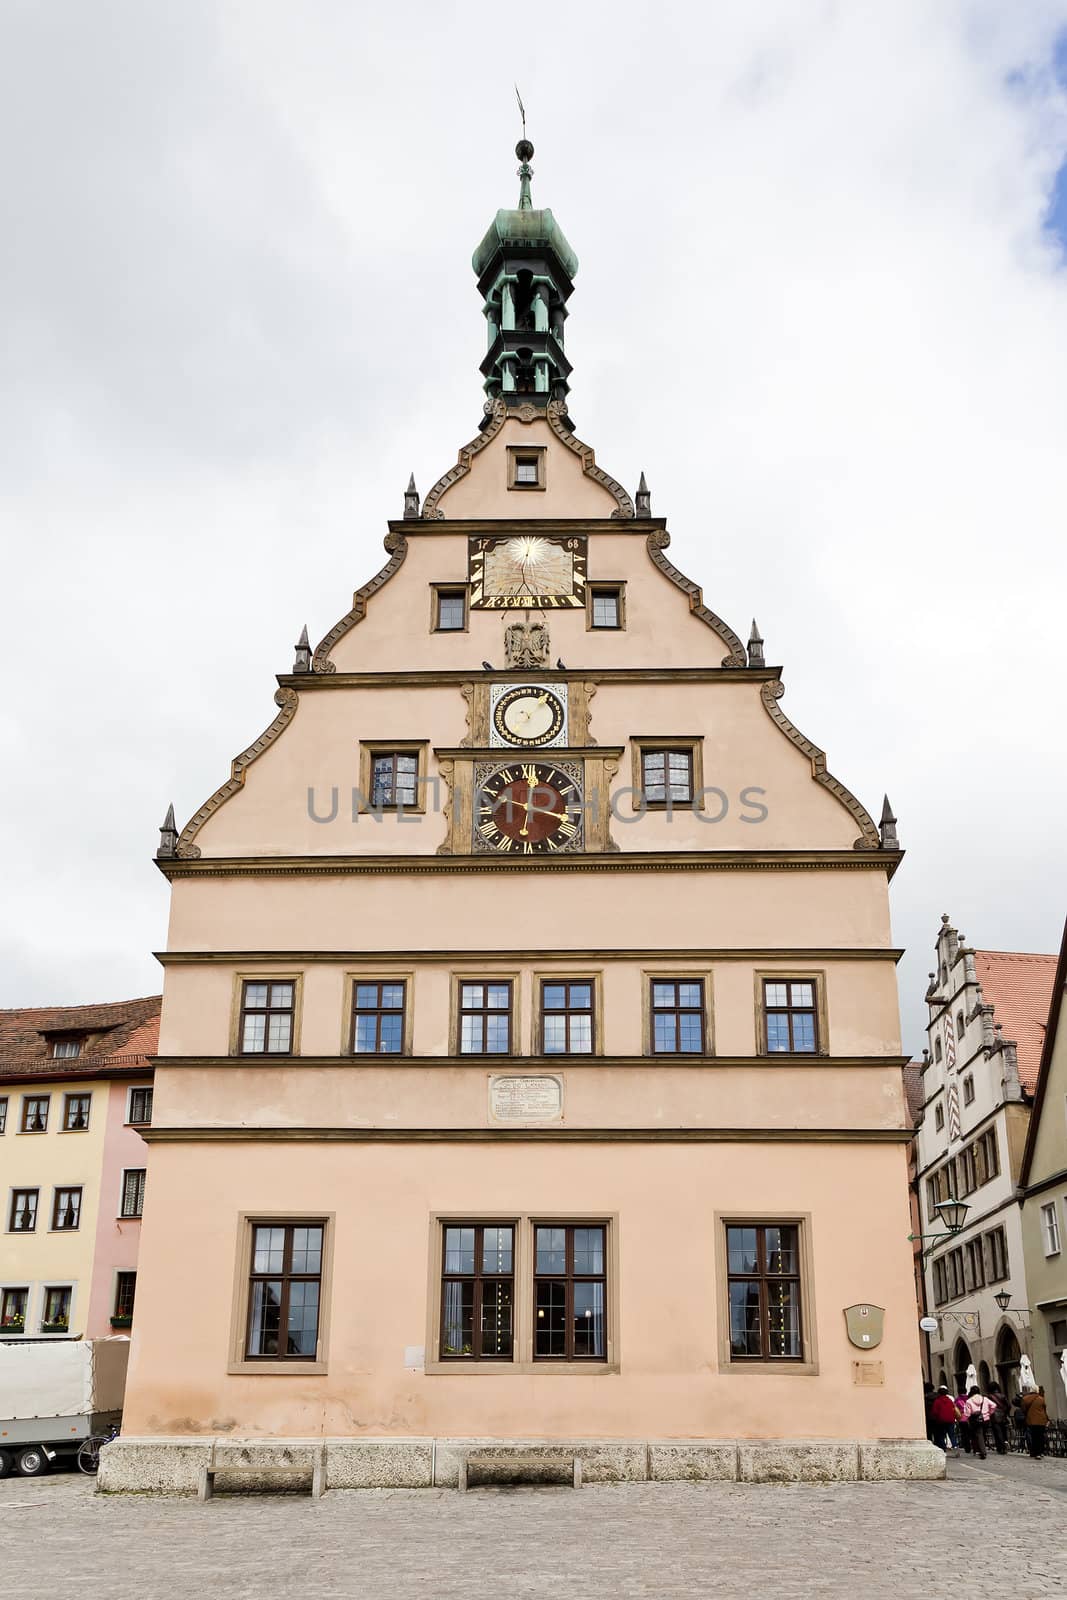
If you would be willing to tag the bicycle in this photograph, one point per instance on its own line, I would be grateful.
(89, 1449)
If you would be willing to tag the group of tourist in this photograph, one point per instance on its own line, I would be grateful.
(970, 1419)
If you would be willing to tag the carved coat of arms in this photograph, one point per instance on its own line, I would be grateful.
(526, 644)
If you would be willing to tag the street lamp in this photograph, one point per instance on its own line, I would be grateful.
(1003, 1303)
(953, 1213)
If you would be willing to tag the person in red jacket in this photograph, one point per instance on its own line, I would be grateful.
(943, 1412)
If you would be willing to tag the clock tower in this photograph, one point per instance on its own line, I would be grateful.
(530, 1076)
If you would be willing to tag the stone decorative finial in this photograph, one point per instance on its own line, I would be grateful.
(302, 659)
(643, 499)
(755, 647)
(411, 501)
(168, 837)
(887, 827)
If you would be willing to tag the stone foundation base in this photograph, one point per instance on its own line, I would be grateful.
(172, 1466)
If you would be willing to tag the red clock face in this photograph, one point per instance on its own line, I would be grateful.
(524, 810)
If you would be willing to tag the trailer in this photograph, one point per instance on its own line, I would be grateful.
(55, 1393)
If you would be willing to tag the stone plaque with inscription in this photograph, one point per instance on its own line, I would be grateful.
(868, 1374)
(524, 1098)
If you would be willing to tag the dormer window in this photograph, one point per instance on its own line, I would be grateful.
(62, 1049)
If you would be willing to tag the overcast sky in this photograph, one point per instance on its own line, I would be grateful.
(822, 302)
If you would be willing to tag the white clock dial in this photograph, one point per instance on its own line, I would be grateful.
(530, 717)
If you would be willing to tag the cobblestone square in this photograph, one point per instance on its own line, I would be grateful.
(602, 1542)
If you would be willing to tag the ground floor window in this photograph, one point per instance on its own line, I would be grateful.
(478, 1292)
(284, 1291)
(763, 1269)
(569, 1284)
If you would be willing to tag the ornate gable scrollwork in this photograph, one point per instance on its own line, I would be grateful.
(770, 694)
(655, 544)
(496, 412)
(397, 546)
(287, 701)
(557, 410)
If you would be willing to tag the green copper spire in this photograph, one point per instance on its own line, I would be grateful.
(525, 270)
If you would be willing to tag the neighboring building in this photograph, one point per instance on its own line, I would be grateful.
(530, 1060)
(1043, 1181)
(75, 1091)
(913, 1095)
(987, 1011)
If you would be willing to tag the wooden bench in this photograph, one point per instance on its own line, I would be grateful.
(490, 1465)
(289, 1469)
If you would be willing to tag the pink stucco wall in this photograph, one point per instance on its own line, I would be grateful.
(117, 1239)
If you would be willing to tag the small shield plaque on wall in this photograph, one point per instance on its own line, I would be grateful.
(864, 1325)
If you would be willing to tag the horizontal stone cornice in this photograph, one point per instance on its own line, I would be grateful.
(466, 958)
(610, 861)
(246, 1135)
(438, 677)
(524, 1066)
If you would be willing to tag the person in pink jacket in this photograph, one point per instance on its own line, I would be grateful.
(978, 1412)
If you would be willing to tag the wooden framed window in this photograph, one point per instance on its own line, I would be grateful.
(66, 1209)
(940, 1284)
(570, 1292)
(960, 1025)
(968, 1090)
(667, 774)
(132, 1192)
(997, 1246)
(378, 1018)
(966, 1174)
(790, 1016)
(266, 1024)
(605, 606)
(35, 1113)
(76, 1112)
(285, 1281)
(478, 1292)
(974, 1264)
(939, 1117)
(394, 779)
(567, 1017)
(679, 1024)
(1050, 1229)
(450, 608)
(140, 1107)
(763, 1289)
(955, 1273)
(3, 1113)
(937, 1049)
(485, 1018)
(55, 1314)
(392, 776)
(988, 1156)
(125, 1292)
(64, 1049)
(526, 466)
(13, 1304)
(23, 1214)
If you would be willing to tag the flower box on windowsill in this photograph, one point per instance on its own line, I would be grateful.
(14, 1325)
(55, 1327)
(122, 1322)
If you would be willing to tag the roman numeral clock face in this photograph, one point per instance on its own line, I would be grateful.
(527, 809)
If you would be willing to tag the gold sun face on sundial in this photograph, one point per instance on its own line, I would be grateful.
(527, 570)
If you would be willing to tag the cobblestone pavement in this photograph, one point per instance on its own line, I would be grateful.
(864, 1541)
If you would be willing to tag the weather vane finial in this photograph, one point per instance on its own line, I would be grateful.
(524, 150)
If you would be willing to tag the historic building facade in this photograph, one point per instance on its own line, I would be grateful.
(987, 1010)
(75, 1093)
(530, 1064)
(1043, 1194)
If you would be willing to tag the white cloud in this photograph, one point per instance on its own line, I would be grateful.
(816, 304)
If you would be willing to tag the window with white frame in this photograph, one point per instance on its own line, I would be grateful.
(1050, 1228)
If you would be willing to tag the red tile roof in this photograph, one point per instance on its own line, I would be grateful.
(1019, 987)
(126, 1030)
